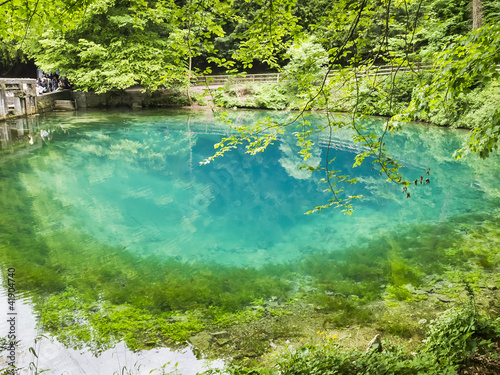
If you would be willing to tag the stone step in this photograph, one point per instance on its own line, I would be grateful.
(64, 105)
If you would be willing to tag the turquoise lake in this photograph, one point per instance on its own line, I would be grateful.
(115, 206)
(134, 180)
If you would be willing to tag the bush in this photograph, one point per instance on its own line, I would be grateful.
(164, 98)
(459, 332)
(226, 98)
(307, 66)
(264, 95)
(373, 96)
(270, 96)
(336, 360)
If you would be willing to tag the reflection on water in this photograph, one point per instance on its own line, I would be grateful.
(53, 358)
(18, 136)
(117, 207)
(135, 181)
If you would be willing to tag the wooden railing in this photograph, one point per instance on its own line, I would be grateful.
(220, 80)
(381, 70)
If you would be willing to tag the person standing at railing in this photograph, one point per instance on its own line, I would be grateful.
(54, 83)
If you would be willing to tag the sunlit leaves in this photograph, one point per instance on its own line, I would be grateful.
(118, 44)
(255, 138)
(23, 18)
(269, 33)
(469, 62)
(484, 139)
(306, 69)
(351, 24)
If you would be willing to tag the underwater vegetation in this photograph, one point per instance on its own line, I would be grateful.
(92, 292)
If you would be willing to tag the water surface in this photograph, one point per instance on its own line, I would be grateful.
(117, 206)
(134, 180)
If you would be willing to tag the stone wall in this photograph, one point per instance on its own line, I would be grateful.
(133, 97)
(46, 102)
(18, 135)
(111, 99)
(17, 97)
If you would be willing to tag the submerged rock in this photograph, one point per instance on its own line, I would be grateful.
(443, 298)
(201, 341)
(178, 319)
(220, 334)
(222, 341)
(245, 354)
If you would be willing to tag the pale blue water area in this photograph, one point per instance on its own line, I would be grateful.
(134, 180)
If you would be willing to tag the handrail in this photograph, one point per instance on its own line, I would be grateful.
(276, 77)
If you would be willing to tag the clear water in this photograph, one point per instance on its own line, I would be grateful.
(134, 180)
(131, 184)
(52, 357)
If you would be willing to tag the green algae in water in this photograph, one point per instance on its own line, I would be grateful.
(117, 208)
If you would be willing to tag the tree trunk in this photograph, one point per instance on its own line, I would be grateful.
(477, 14)
(189, 79)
